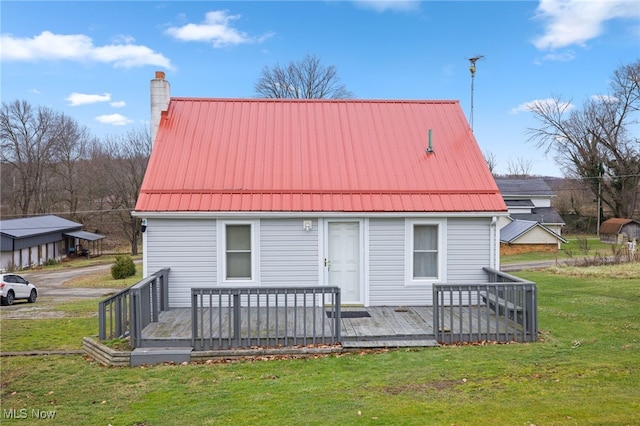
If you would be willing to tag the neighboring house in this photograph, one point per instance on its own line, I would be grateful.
(619, 231)
(529, 200)
(523, 236)
(382, 198)
(35, 240)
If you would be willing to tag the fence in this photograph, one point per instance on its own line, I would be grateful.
(127, 312)
(233, 317)
(505, 309)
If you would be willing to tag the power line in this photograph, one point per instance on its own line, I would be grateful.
(67, 213)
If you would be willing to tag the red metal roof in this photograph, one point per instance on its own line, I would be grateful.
(316, 155)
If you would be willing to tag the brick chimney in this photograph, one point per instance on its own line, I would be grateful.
(160, 95)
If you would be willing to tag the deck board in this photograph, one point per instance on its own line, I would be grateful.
(405, 323)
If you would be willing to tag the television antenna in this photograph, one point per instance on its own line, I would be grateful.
(472, 69)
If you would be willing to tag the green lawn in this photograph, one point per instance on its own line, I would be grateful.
(577, 247)
(80, 262)
(585, 370)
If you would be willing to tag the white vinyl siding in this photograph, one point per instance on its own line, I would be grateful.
(536, 235)
(467, 243)
(387, 266)
(288, 253)
(468, 249)
(188, 247)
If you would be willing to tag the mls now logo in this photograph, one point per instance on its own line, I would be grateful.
(43, 414)
(23, 413)
(15, 414)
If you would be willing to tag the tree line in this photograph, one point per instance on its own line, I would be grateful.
(597, 144)
(53, 165)
(600, 142)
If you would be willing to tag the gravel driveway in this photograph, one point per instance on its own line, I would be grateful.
(51, 290)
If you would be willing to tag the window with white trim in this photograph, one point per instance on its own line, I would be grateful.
(425, 251)
(237, 252)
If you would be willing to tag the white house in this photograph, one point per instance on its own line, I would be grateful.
(533, 223)
(530, 199)
(383, 198)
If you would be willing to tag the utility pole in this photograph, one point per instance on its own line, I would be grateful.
(472, 69)
(599, 202)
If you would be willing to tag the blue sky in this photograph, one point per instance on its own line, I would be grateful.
(93, 60)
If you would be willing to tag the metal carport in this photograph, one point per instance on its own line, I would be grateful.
(90, 237)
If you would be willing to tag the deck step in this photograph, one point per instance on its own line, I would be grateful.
(369, 344)
(142, 356)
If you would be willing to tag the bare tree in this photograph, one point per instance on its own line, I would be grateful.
(51, 164)
(307, 79)
(27, 138)
(71, 149)
(519, 167)
(125, 165)
(491, 160)
(598, 143)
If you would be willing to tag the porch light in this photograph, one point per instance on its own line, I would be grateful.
(306, 225)
(144, 225)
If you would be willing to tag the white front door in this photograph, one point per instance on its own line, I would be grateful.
(343, 259)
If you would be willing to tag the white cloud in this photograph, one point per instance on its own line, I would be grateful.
(76, 99)
(77, 47)
(118, 104)
(129, 56)
(574, 22)
(560, 57)
(216, 29)
(123, 39)
(528, 106)
(114, 119)
(384, 5)
(607, 99)
(35, 91)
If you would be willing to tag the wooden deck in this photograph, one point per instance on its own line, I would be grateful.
(386, 326)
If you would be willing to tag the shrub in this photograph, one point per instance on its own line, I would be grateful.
(51, 262)
(123, 267)
(583, 244)
(11, 267)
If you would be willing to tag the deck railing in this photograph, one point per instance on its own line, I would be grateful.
(127, 312)
(505, 309)
(113, 316)
(233, 317)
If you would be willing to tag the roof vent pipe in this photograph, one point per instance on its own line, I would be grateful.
(430, 147)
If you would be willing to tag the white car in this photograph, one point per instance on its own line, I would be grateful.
(13, 287)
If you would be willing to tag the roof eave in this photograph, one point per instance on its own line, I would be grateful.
(308, 214)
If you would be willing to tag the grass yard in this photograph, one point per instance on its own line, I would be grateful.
(102, 280)
(577, 247)
(68, 322)
(585, 370)
(79, 262)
